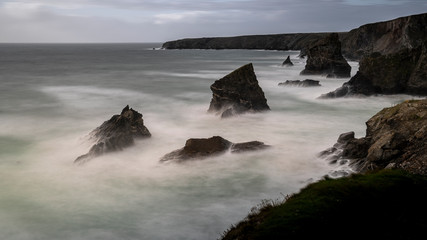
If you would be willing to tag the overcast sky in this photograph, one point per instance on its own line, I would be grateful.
(163, 20)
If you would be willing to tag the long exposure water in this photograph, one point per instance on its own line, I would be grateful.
(53, 95)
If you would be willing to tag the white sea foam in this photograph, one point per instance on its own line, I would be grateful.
(131, 195)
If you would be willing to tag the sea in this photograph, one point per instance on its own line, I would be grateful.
(53, 95)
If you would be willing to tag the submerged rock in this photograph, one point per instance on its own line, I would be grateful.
(237, 93)
(401, 72)
(299, 83)
(200, 148)
(117, 133)
(325, 58)
(396, 137)
(287, 62)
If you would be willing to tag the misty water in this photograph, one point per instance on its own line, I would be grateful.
(53, 95)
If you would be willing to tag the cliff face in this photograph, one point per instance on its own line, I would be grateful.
(295, 41)
(396, 73)
(383, 37)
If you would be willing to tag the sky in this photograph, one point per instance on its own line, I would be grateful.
(63, 21)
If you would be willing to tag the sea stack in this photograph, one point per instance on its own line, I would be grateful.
(324, 58)
(117, 133)
(287, 62)
(237, 93)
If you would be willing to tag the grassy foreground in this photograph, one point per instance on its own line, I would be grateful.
(383, 205)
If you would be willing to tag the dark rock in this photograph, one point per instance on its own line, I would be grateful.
(287, 62)
(402, 72)
(200, 148)
(299, 83)
(237, 93)
(396, 137)
(325, 58)
(386, 37)
(117, 133)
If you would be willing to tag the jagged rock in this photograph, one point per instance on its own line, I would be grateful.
(117, 133)
(237, 93)
(299, 83)
(396, 137)
(287, 62)
(325, 58)
(402, 72)
(200, 148)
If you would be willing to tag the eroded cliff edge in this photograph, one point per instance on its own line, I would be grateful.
(384, 37)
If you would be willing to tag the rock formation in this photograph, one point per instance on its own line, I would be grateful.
(299, 83)
(384, 37)
(200, 148)
(396, 137)
(287, 62)
(324, 57)
(401, 72)
(237, 93)
(117, 133)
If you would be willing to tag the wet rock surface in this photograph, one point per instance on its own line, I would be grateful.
(117, 133)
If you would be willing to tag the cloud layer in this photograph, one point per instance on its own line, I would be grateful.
(160, 20)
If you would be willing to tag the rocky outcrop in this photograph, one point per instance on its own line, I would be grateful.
(299, 83)
(324, 58)
(401, 72)
(237, 93)
(287, 62)
(396, 137)
(117, 133)
(201, 148)
(386, 37)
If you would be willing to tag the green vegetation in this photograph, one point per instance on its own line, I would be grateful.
(384, 205)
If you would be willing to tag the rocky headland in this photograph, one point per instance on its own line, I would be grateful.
(201, 148)
(324, 58)
(383, 37)
(396, 138)
(237, 93)
(402, 72)
(119, 132)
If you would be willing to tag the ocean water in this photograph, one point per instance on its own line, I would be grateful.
(53, 95)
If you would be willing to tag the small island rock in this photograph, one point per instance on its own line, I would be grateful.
(299, 83)
(287, 62)
(200, 148)
(117, 133)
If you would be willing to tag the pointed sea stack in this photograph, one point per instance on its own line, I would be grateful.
(117, 133)
(325, 58)
(237, 93)
(287, 62)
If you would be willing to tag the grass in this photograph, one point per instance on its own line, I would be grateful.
(384, 205)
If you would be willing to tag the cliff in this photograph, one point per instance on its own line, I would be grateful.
(383, 37)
